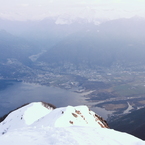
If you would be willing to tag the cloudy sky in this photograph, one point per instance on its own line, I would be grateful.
(39, 9)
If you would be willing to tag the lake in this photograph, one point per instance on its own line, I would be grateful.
(19, 93)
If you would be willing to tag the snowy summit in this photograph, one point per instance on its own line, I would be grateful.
(41, 123)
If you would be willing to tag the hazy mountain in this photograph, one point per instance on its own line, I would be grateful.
(13, 47)
(79, 42)
(14, 55)
(113, 41)
(133, 123)
(45, 33)
(41, 123)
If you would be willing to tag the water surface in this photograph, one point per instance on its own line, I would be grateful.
(20, 93)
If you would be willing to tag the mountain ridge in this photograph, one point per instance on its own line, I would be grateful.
(39, 123)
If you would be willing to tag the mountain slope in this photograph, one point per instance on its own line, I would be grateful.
(39, 123)
(133, 123)
(113, 41)
(68, 135)
(13, 47)
(14, 56)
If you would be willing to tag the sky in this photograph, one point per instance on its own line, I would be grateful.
(101, 9)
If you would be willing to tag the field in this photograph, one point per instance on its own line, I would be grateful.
(129, 90)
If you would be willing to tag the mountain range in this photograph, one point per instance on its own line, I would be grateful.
(111, 42)
(80, 42)
(42, 123)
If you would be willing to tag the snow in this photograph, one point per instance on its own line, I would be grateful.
(24, 116)
(34, 113)
(74, 135)
(35, 124)
(70, 116)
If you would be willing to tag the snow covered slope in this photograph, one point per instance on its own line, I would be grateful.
(41, 124)
(24, 116)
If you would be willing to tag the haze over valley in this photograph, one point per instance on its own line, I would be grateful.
(104, 62)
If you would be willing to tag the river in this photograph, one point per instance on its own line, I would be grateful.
(20, 93)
